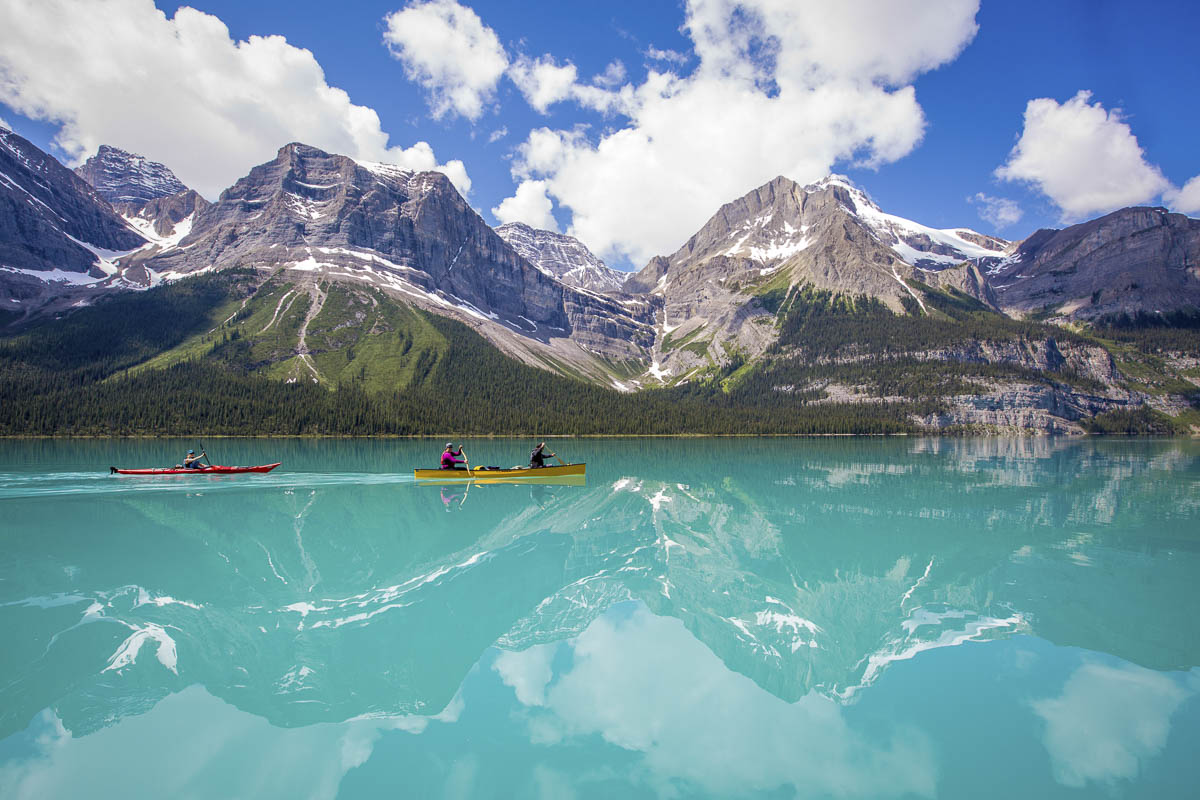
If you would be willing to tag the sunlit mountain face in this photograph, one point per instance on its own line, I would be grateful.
(725, 617)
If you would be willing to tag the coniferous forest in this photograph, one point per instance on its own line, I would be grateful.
(168, 361)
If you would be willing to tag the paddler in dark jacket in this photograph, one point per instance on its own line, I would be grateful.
(192, 461)
(451, 459)
(538, 457)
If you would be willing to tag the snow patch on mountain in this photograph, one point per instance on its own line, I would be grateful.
(147, 229)
(105, 259)
(913, 242)
(56, 276)
(385, 170)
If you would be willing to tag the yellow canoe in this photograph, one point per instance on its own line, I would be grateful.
(562, 480)
(526, 473)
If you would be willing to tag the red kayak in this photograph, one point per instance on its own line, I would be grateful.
(215, 469)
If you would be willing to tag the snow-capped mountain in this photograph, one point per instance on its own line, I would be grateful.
(124, 178)
(778, 232)
(829, 235)
(563, 257)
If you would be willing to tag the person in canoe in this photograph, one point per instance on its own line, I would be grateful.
(193, 461)
(451, 459)
(537, 458)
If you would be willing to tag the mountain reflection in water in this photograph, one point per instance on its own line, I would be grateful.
(339, 590)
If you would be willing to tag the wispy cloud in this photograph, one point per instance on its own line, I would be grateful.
(668, 56)
(1000, 211)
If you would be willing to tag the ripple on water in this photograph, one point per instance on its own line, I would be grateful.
(28, 484)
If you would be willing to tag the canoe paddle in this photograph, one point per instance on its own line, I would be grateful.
(466, 461)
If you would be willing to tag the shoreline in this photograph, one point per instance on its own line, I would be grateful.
(456, 436)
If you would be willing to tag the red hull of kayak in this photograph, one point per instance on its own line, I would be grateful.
(216, 469)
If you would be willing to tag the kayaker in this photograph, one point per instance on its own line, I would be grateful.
(451, 459)
(538, 457)
(192, 461)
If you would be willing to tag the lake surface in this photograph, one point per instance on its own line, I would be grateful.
(857, 618)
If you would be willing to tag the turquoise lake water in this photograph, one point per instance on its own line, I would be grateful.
(852, 618)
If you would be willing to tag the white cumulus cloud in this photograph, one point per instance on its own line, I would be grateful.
(1187, 199)
(780, 88)
(530, 205)
(181, 91)
(1000, 211)
(448, 50)
(1083, 157)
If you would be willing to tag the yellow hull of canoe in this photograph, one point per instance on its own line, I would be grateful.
(522, 473)
(564, 480)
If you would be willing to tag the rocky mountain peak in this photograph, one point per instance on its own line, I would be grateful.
(124, 178)
(1135, 259)
(828, 234)
(562, 257)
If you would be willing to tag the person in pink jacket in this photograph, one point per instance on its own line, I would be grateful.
(451, 459)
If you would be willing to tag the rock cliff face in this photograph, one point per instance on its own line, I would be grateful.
(316, 215)
(562, 257)
(1135, 259)
(56, 234)
(127, 179)
(829, 235)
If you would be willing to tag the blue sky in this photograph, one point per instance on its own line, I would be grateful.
(629, 123)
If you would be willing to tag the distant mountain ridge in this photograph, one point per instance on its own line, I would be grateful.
(121, 177)
(1130, 261)
(326, 237)
(564, 257)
